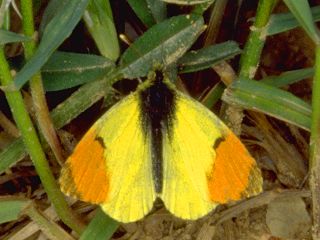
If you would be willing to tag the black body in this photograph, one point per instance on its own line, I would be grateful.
(157, 103)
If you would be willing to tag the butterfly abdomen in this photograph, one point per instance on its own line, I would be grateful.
(157, 103)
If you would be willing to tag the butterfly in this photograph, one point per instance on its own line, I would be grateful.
(159, 143)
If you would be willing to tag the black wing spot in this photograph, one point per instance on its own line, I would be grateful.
(100, 140)
(218, 141)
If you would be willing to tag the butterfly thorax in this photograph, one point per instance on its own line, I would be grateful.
(157, 102)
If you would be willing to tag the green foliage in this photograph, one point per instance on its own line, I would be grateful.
(164, 44)
(99, 21)
(11, 208)
(101, 227)
(301, 11)
(55, 32)
(254, 95)
(11, 37)
(65, 70)
(206, 57)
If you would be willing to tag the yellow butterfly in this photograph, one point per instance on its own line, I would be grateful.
(159, 143)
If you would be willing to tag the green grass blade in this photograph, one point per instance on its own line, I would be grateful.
(278, 103)
(206, 57)
(158, 9)
(11, 154)
(301, 10)
(141, 9)
(99, 20)
(283, 22)
(11, 208)
(57, 30)
(79, 101)
(164, 43)
(288, 77)
(4, 15)
(10, 37)
(213, 95)
(65, 70)
(100, 227)
(53, 7)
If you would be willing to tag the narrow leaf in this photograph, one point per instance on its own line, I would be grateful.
(100, 227)
(301, 10)
(65, 70)
(79, 101)
(213, 95)
(163, 44)
(158, 9)
(270, 100)
(57, 30)
(282, 22)
(207, 57)
(10, 37)
(12, 154)
(99, 20)
(140, 7)
(11, 208)
(288, 77)
(52, 9)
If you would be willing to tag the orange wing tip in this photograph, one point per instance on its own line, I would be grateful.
(235, 174)
(84, 176)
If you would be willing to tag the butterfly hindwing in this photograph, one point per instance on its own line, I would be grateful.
(125, 191)
(202, 166)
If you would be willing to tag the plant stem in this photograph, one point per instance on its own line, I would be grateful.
(250, 58)
(34, 149)
(314, 164)
(36, 86)
(44, 120)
